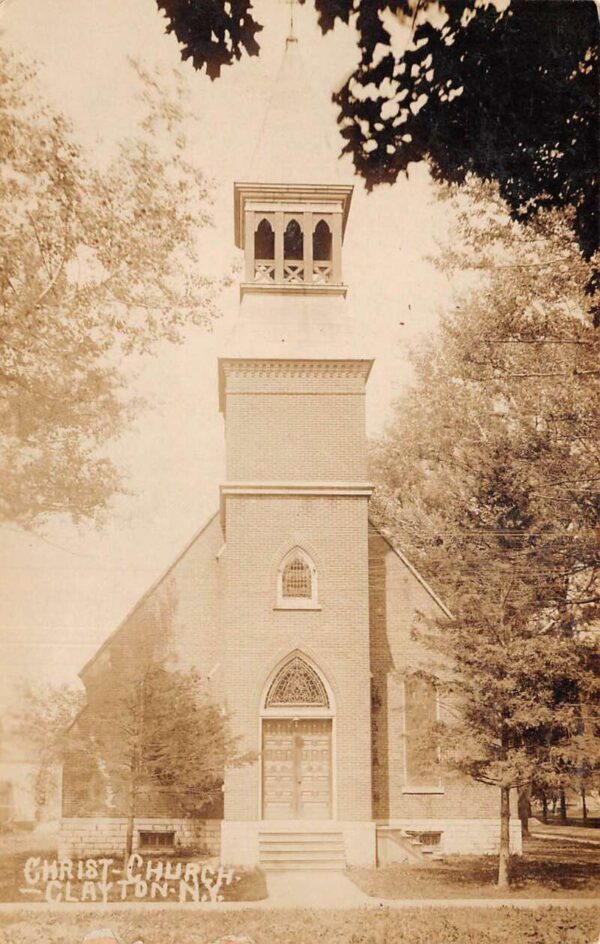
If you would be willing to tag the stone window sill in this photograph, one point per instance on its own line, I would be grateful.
(436, 791)
(297, 605)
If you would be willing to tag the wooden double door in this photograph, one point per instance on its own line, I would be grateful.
(296, 763)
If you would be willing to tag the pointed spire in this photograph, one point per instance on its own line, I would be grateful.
(293, 145)
(291, 36)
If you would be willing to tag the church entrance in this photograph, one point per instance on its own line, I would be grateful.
(296, 767)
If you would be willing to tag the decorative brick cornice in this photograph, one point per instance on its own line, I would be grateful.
(267, 367)
(285, 375)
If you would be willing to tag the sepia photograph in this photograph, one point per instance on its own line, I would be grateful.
(299, 472)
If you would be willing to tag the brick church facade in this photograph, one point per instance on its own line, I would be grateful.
(289, 600)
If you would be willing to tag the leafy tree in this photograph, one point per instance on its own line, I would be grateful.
(490, 477)
(44, 715)
(152, 740)
(94, 266)
(505, 90)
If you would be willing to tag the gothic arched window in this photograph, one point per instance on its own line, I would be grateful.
(322, 253)
(297, 684)
(264, 252)
(322, 243)
(297, 581)
(264, 241)
(293, 241)
(420, 720)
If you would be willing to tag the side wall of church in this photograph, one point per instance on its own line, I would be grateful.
(177, 617)
(396, 598)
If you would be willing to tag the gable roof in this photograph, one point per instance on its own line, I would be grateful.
(198, 534)
(147, 594)
(413, 570)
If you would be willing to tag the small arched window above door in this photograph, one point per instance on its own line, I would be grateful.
(297, 582)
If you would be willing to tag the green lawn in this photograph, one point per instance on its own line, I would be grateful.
(548, 868)
(414, 926)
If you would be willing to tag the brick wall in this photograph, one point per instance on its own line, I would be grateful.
(178, 616)
(260, 530)
(295, 421)
(396, 597)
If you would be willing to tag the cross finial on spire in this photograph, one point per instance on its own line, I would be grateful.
(291, 38)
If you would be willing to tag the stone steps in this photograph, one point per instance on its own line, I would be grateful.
(409, 847)
(292, 849)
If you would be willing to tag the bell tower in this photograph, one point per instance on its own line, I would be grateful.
(294, 506)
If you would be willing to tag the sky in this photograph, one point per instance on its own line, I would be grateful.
(66, 588)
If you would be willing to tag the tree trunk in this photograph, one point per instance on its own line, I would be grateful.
(503, 857)
(584, 812)
(130, 827)
(525, 807)
(544, 808)
(563, 806)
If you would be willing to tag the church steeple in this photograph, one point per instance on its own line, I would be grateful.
(291, 212)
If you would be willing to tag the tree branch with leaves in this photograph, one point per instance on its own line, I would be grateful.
(95, 265)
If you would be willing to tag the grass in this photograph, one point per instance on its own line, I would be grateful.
(412, 926)
(548, 868)
(441, 926)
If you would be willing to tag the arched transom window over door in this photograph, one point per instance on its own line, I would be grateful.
(296, 745)
(297, 685)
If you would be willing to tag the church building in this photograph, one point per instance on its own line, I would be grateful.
(289, 600)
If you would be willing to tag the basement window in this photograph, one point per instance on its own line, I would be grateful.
(149, 839)
(427, 838)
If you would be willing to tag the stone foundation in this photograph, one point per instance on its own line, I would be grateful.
(101, 836)
(359, 843)
(239, 843)
(464, 836)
